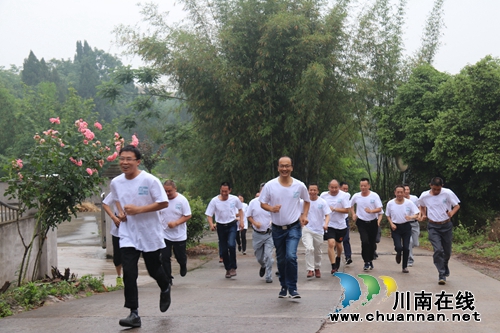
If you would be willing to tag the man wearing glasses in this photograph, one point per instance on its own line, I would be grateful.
(141, 195)
(281, 196)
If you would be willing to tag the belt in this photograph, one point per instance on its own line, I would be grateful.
(413, 221)
(440, 222)
(371, 221)
(268, 231)
(284, 227)
(226, 224)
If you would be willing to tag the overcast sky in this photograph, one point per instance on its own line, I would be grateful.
(51, 28)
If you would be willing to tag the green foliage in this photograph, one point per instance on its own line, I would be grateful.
(30, 295)
(93, 283)
(197, 225)
(447, 125)
(5, 310)
(461, 234)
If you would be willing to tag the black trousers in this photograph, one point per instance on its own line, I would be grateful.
(130, 258)
(241, 239)
(368, 233)
(179, 249)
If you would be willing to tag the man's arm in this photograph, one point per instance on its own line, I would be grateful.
(110, 213)
(454, 211)
(181, 220)
(303, 216)
(253, 222)
(423, 213)
(155, 206)
(240, 218)
(269, 208)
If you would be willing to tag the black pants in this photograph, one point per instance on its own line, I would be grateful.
(241, 239)
(368, 233)
(402, 234)
(117, 253)
(130, 258)
(179, 249)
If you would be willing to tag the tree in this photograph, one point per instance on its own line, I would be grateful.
(443, 125)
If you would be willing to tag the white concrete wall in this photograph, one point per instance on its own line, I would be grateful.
(12, 249)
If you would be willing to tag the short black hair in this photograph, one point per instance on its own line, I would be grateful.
(133, 149)
(398, 186)
(228, 184)
(365, 180)
(313, 184)
(437, 181)
(342, 184)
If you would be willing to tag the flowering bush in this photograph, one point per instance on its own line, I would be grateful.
(58, 173)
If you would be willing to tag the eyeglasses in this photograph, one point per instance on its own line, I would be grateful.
(282, 166)
(127, 159)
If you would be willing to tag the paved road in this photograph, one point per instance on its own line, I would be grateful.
(205, 301)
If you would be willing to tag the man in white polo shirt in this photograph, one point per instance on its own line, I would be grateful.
(312, 234)
(281, 196)
(223, 206)
(262, 240)
(400, 212)
(173, 219)
(339, 204)
(141, 196)
(439, 206)
(368, 206)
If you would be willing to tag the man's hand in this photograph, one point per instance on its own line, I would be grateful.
(256, 224)
(393, 227)
(354, 217)
(275, 209)
(172, 224)
(132, 209)
(303, 219)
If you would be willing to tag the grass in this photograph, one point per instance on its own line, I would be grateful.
(33, 294)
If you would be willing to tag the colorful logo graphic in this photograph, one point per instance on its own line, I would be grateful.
(352, 289)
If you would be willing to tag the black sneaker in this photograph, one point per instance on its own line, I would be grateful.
(183, 270)
(371, 265)
(165, 300)
(282, 293)
(133, 320)
(398, 258)
(348, 261)
(294, 294)
(262, 271)
(366, 266)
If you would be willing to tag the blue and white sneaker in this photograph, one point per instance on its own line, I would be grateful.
(282, 293)
(294, 294)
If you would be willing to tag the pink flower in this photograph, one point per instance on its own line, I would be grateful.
(101, 163)
(94, 170)
(107, 148)
(19, 163)
(135, 141)
(55, 120)
(20, 176)
(98, 126)
(42, 141)
(79, 163)
(118, 146)
(89, 135)
(98, 142)
(89, 171)
(117, 136)
(85, 142)
(36, 137)
(113, 157)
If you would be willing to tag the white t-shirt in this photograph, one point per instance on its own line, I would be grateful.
(341, 200)
(372, 201)
(177, 207)
(317, 212)
(259, 214)
(141, 231)
(414, 199)
(438, 205)
(289, 197)
(224, 210)
(245, 219)
(397, 212)
(110, 201)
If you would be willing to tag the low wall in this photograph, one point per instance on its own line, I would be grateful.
(12, 249)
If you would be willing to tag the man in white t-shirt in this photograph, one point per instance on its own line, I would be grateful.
(107, 203)
(415, 225)
(439, 206)
(400, 212)
(338, 202)
(262, 240)
(173, 219)
(368, 206)
(281, 196)
(241, 235)
(224, 206)
(312, 233)
(141, 196)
